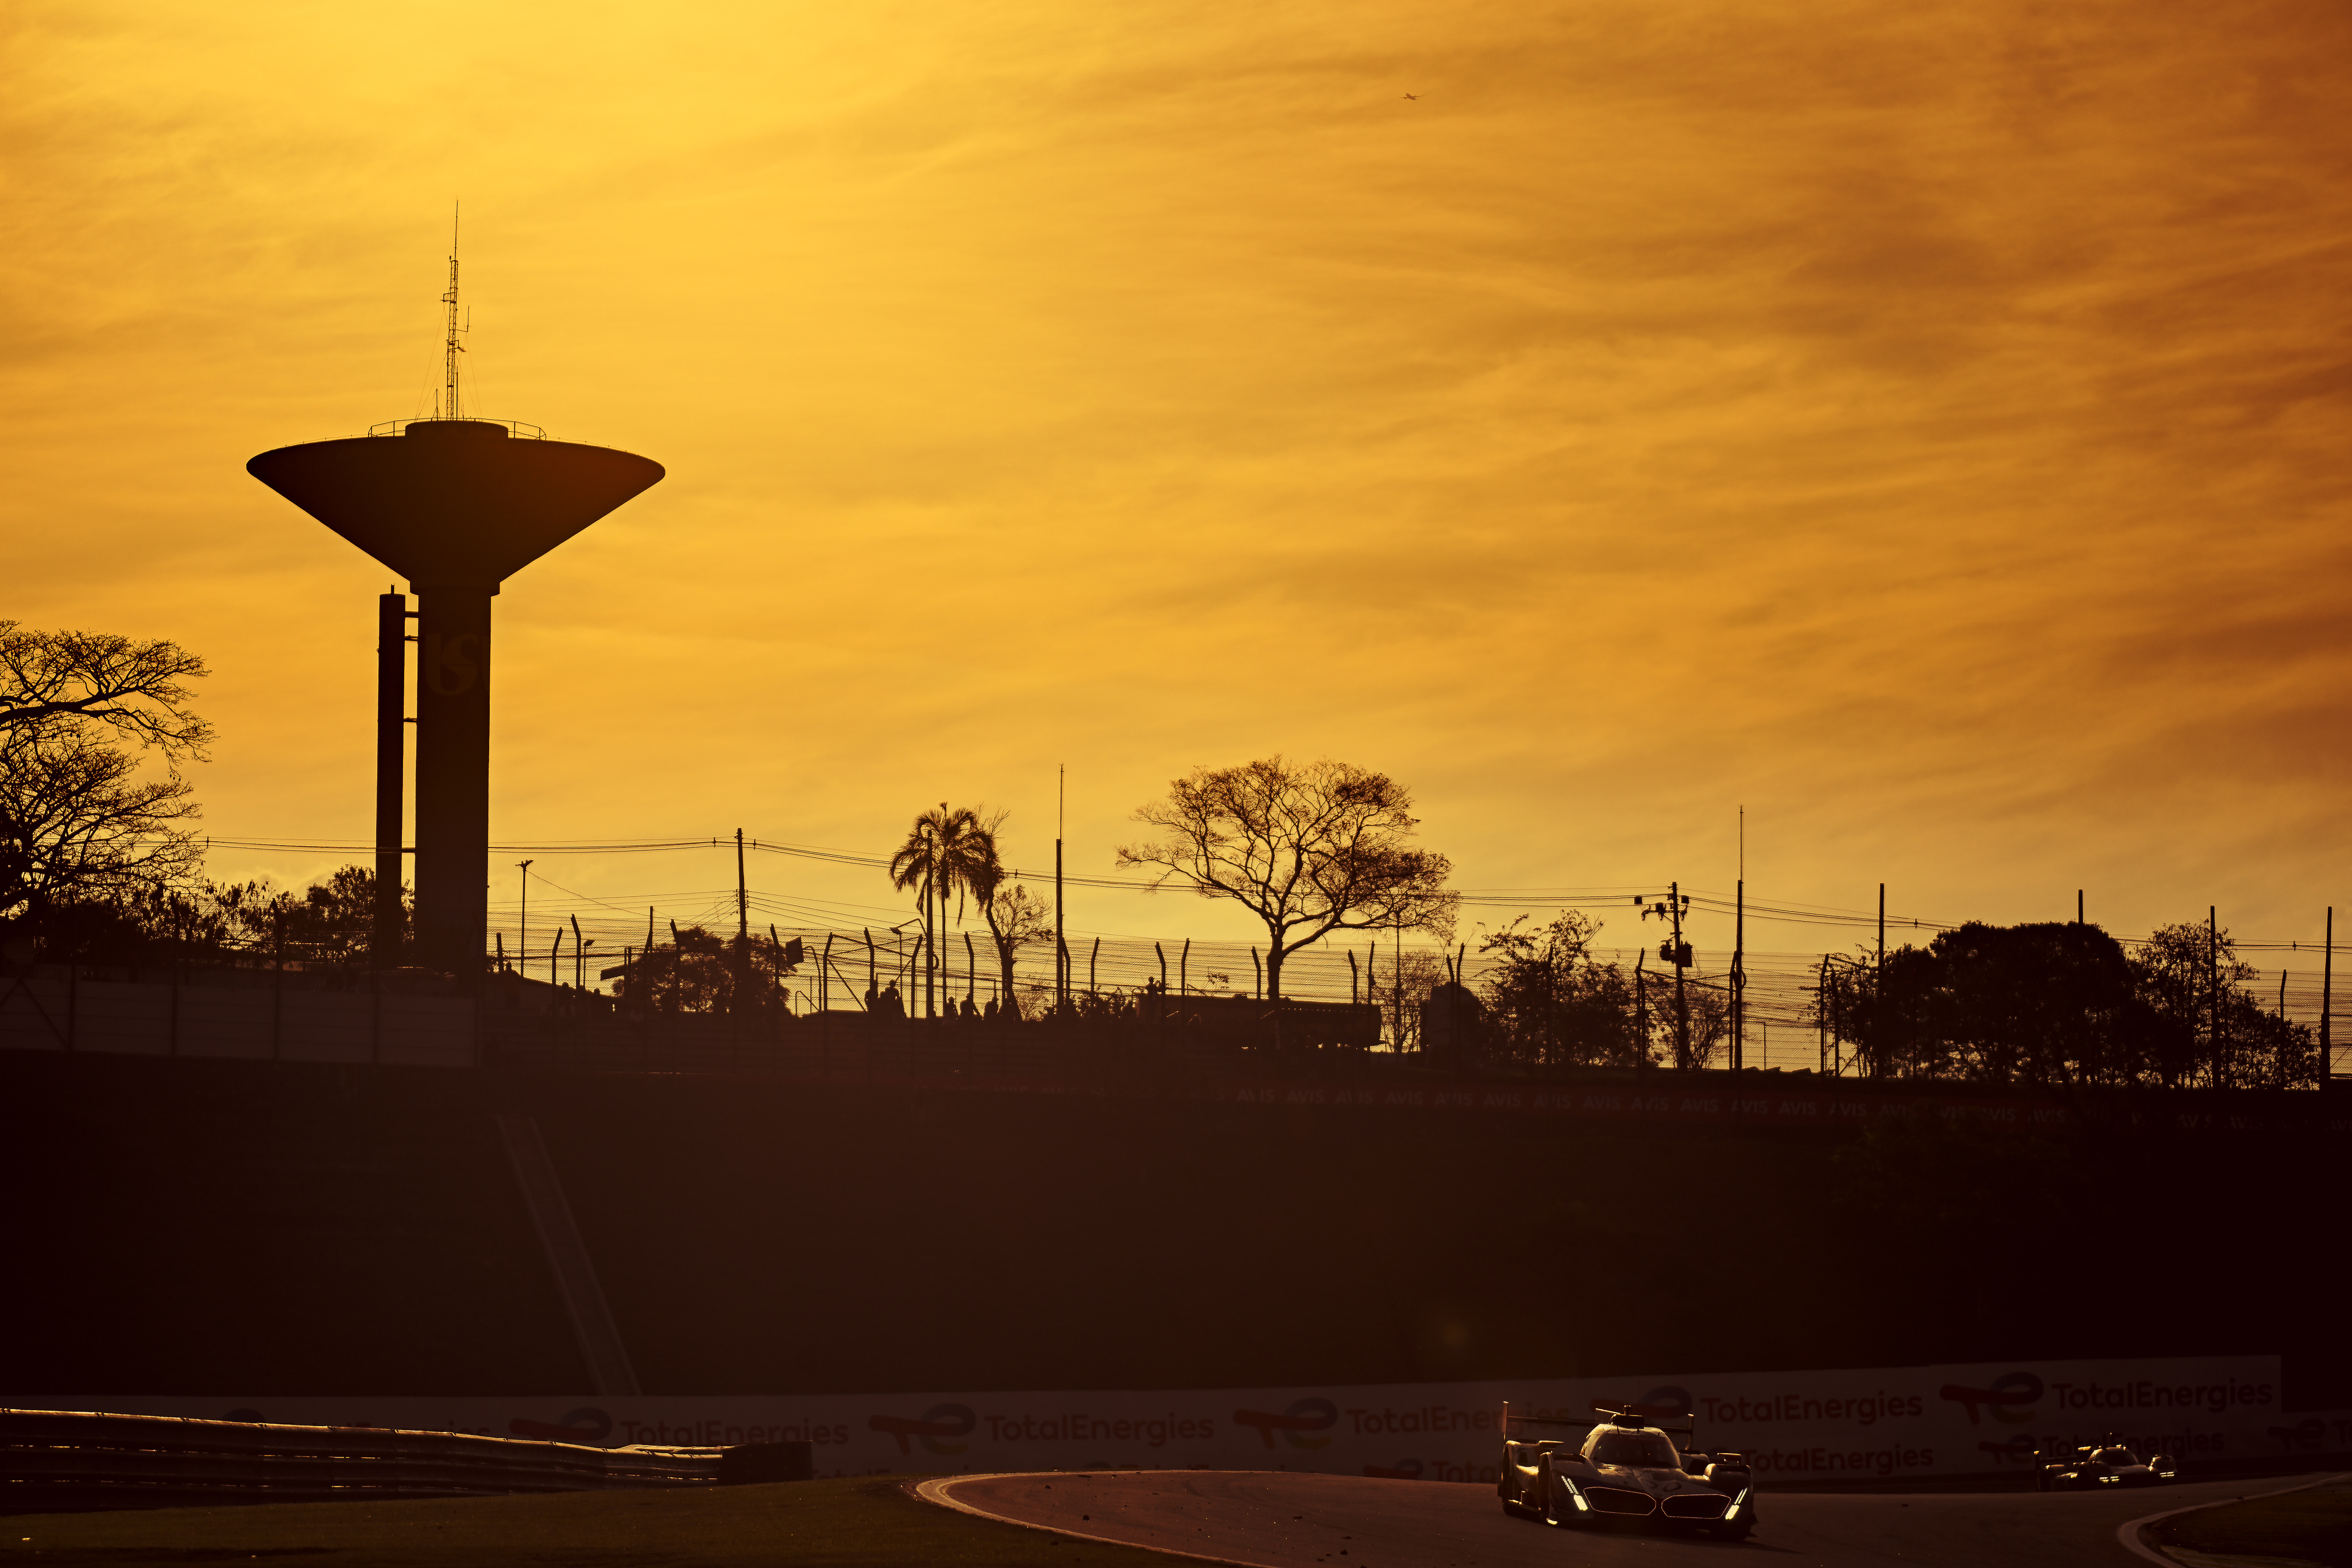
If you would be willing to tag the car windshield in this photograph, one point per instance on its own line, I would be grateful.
(1648, 1451)
(2118, 1457)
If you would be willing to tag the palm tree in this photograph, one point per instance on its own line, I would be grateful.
(946, 851)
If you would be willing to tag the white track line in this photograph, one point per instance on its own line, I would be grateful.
(937, 1492)
(2127, 1535)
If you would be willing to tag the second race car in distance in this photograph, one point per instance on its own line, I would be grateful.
(1626, 1470)
(2109, 1462)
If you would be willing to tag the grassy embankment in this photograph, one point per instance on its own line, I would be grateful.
(251, 1229)
(866, 1522)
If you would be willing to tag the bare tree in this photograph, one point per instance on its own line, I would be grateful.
(1423, 972)
(1308, 849)
(75, 820)
(1016, 918)
(72, 678)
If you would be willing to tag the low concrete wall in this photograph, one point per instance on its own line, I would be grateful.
(252, 1024)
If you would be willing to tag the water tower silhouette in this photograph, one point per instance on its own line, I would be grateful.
(456, 505)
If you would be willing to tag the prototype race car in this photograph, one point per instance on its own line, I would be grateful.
(2104, 1464)
(1627, 1470)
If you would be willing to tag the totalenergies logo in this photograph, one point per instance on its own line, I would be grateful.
(2008, 1400)
(1668, 1404)
(1304, 1416)
(932, 1428)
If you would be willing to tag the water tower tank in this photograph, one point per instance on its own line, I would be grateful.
(456, 505)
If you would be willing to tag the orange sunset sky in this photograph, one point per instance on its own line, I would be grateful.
(1922, 425)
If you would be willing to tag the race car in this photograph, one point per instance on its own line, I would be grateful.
(1627, 1470)
(2106, 1463)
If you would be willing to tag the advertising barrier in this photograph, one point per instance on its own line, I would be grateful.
(1800, 1428)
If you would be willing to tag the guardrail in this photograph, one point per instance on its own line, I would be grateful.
(57, 1462)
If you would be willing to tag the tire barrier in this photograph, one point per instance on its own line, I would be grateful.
(71, 1461)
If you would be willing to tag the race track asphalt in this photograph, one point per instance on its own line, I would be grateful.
(1273, 1520)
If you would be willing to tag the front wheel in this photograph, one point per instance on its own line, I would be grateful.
(1550, 1497)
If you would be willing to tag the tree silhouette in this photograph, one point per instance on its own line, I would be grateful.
(946, 851)
(136, 689)
(2066, 1005)
(1308, 849)
(700, 971)
(1016, 918)
(2211, 1029)
(77, 823)
(1549, 1002)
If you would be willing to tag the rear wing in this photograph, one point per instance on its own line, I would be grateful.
(1631, 1414)
(1627, 1415)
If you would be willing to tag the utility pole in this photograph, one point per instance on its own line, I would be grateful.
(1641, 1010)
(1739, 977)
(742, 927)
(1878, 992)
(1061, 942)
(1739, 953)
(1677, 952)
(2213, 992)
(1682, 965)
(2326, 987)
(1821, 1013)
(1400, 985)
(522, 940)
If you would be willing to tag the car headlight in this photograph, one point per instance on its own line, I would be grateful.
(1575, 1496)
(2105, 1478)
(1734, 1509)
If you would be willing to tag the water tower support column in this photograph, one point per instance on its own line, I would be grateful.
(453, 777)
(391, 773)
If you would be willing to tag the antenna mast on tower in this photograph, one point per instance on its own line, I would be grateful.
(452, 349)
